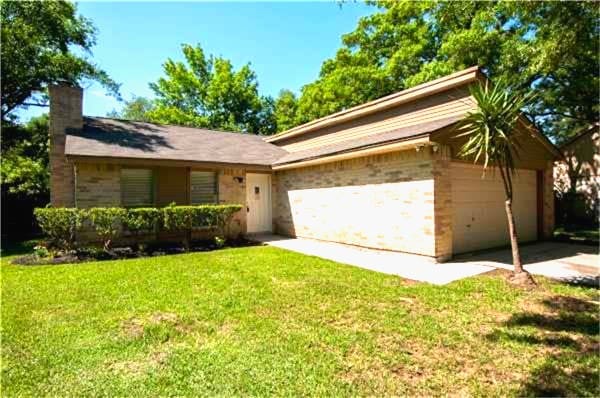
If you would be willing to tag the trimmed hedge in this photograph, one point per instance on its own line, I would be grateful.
(62, 224)
(142, 220)
(107, 222)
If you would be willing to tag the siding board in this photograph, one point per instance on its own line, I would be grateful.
(454, 102)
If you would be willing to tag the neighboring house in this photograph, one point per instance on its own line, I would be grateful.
(383, 175)
(577, 177)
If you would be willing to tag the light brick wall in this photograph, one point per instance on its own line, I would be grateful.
(234, 192)
(383, 201)
(65, 115)
(97, 185)
(442, 202)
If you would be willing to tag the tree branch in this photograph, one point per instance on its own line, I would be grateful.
(35, 104)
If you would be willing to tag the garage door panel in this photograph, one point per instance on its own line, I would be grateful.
(479, 217)
(385, 215)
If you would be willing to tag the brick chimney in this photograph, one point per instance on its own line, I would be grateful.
(66, 114)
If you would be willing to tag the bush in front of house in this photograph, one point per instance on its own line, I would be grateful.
(186, 218)
(223, 215)
(60, 225)
(142, 220)
(106, 222)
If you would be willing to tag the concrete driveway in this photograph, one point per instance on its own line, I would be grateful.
(564, 261)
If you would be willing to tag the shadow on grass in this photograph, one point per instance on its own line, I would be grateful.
(14, 248)
(567, 330)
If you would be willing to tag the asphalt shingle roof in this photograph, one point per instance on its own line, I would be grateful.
(104, 137)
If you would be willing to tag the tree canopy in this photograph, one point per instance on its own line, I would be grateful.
(135, 109)
(286, 108)
(547, 47)
(41, 43)
(24, 166)
(208, 92)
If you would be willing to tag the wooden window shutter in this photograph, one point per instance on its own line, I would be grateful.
(137, 187)
(203, 187)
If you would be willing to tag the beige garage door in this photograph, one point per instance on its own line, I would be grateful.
(479, 218)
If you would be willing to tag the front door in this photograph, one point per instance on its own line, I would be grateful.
(258, 202)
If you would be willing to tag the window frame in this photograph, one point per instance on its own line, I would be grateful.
(216, 185)
(153, 186)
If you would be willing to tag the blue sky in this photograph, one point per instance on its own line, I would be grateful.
(285, 42)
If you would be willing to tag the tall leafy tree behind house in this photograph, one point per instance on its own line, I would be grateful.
(24, 174)
(137, 108)
(42, 43)
(547, 47)
(286, 109)
(206, 91)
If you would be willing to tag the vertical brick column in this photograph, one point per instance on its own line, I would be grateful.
(442, 185)
(65, 115)
(548, 201)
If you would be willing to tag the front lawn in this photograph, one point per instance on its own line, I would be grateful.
(264, 321)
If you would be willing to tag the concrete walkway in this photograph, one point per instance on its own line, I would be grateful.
(572, 263)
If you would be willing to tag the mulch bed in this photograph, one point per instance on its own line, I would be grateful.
(87, 254)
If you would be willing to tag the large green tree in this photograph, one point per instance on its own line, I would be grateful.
(44, 42)
(206, 91)
(24, 166)
(286, 109)
(547, 47)
(24, 174)
(135, 109)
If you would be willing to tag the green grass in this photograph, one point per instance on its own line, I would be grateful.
(264, 321)
(577, 234)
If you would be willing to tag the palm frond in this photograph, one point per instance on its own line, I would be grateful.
(490, 130)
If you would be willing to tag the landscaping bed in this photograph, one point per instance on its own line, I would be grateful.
(87, 254)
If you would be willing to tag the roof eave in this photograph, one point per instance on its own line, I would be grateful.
(374, 149)
(163, 162)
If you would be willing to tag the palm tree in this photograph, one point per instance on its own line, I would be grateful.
(492, 138)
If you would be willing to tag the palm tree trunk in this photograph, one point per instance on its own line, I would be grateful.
(514, 242)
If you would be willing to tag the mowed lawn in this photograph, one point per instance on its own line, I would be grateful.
(262, 321)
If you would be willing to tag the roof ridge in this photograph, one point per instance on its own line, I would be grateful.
(176, 125)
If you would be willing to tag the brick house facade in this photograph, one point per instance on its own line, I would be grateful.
(382, 175)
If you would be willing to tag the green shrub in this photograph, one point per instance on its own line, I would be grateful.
(184, 218)
(142, 220)
(60, 224)
(107, 222)
(177, 218)
(219, 242)
(223, 216)
(216, 216)
(41, 251)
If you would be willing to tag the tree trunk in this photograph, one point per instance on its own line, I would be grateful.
(514, 242)
(520, 277)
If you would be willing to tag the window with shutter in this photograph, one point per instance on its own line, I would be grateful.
(137, 187)
(203, 187)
